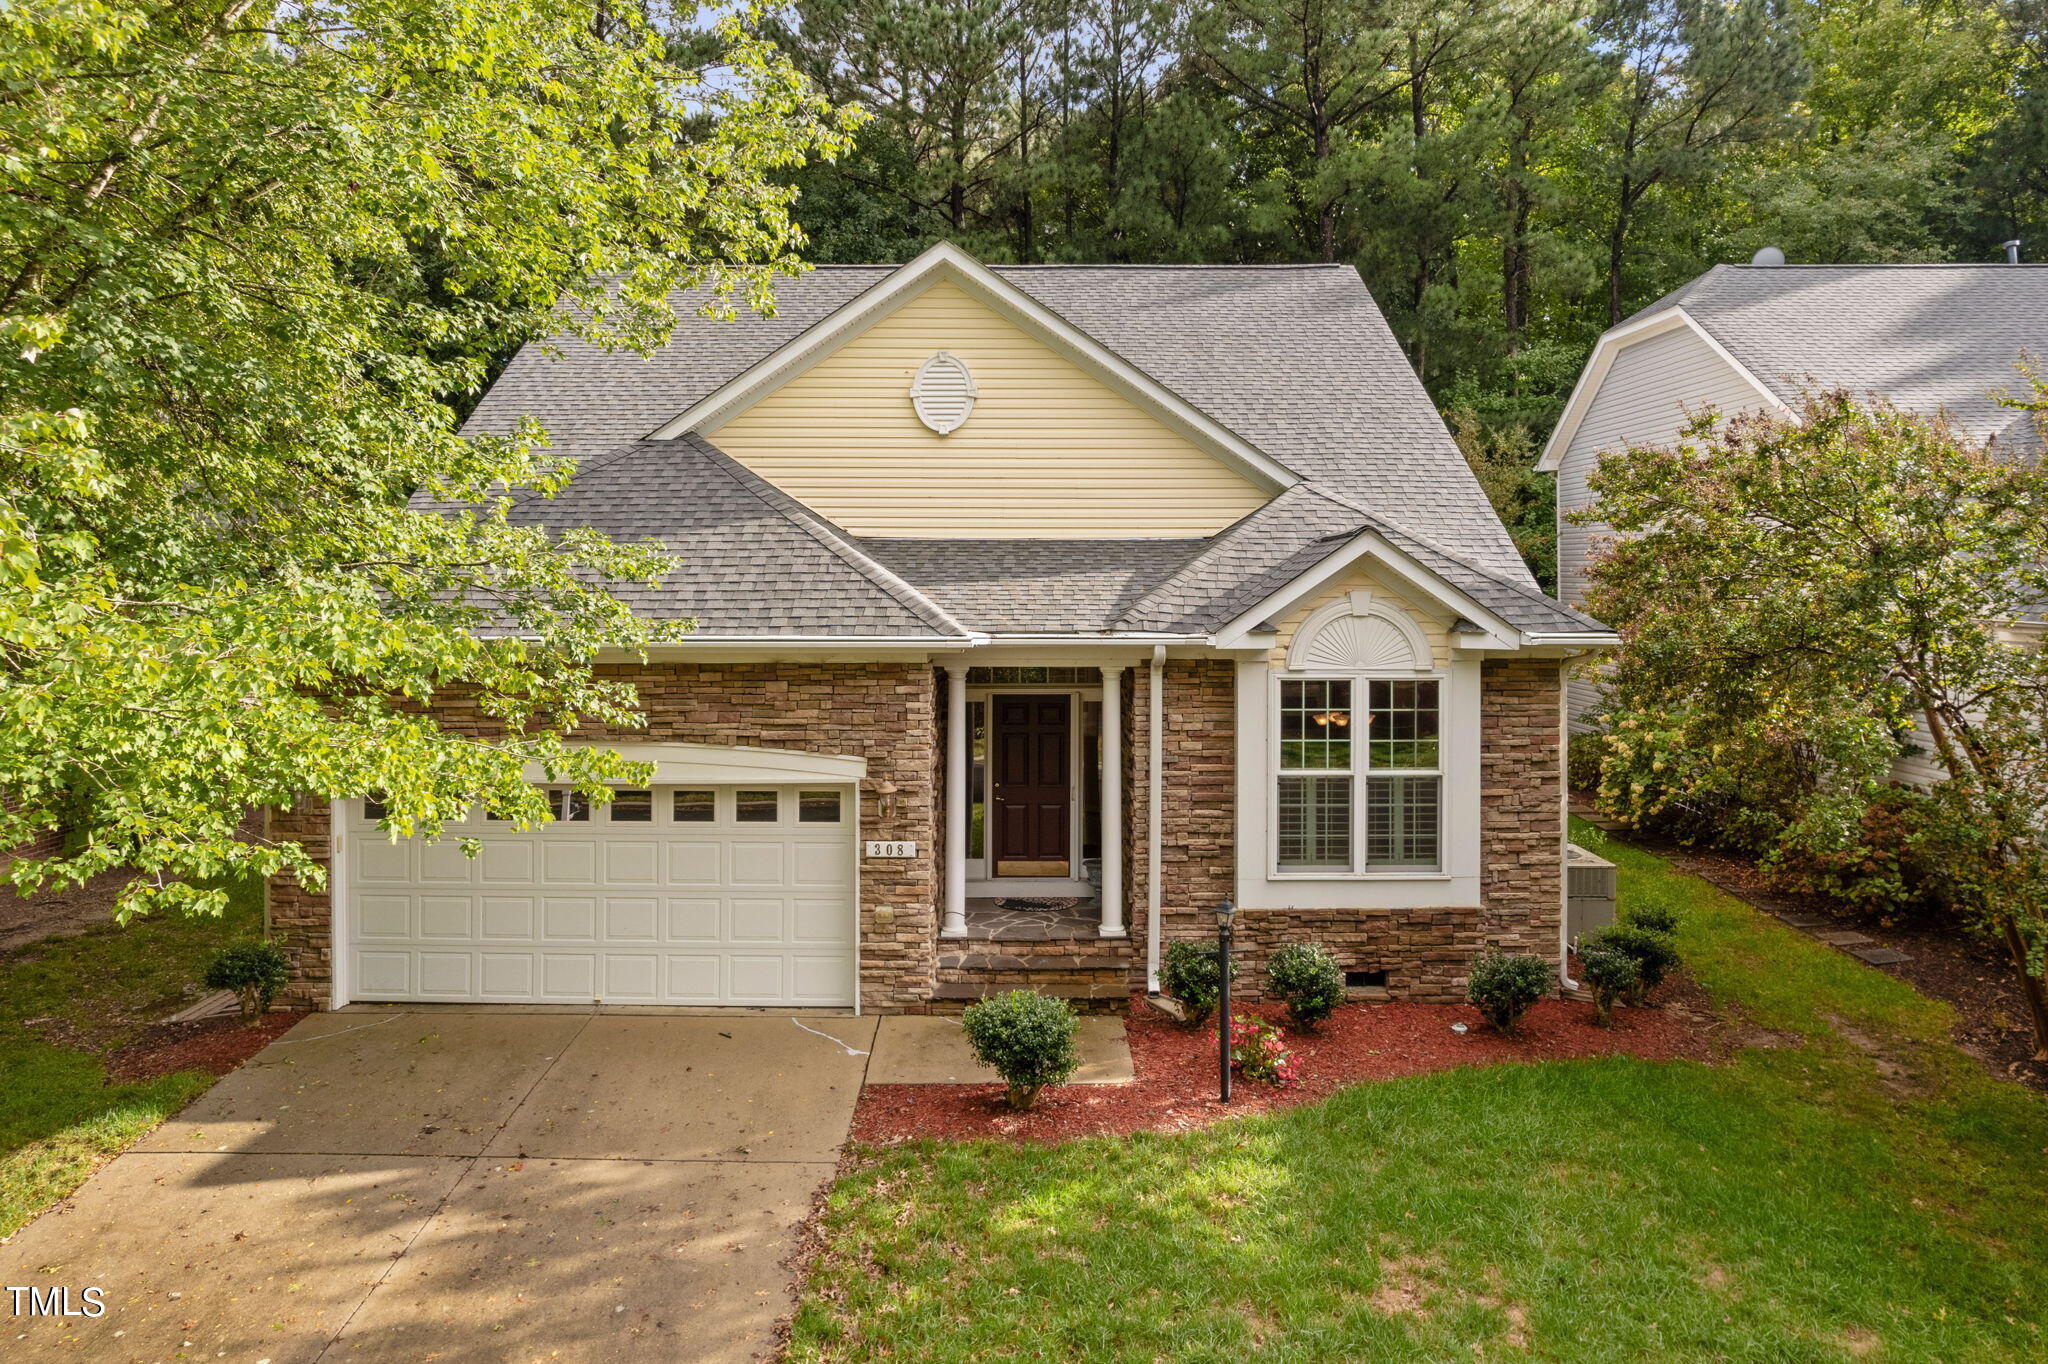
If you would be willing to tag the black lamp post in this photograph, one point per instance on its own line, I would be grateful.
(1224, 913)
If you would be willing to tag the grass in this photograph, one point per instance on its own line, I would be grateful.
(89, 994)
(1799, 1203)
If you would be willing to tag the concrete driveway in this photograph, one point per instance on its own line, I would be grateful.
(461, 1184)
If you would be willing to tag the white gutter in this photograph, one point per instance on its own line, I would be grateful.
(1153, 805)
(1152, 637)
(1578, 640)
(1564, 836)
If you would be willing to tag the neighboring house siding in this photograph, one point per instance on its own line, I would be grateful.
(885, 712)
(1049, 451)
(1922, 769)
(1645, 398)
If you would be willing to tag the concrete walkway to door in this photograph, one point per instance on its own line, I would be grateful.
(461, 1183)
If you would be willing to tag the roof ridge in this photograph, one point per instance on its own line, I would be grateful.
(1171, 265)
(828, 535)
(1887, 265)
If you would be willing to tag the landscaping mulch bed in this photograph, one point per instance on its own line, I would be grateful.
(215, 1045)
(1176, 1083)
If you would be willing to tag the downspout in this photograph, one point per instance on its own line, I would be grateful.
(1564, 832)
(1153, 804)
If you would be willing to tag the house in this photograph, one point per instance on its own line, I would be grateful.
(1038, 610)
(1930, 338)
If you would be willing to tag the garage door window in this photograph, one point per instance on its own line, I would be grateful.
(756, 807)
(696, 807)
(817, 807)
(570, 806)
(633, 807)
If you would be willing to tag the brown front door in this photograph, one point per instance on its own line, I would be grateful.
(1031, 784)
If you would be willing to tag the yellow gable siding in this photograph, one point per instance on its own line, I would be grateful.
(1432, 629)
(1049, 451)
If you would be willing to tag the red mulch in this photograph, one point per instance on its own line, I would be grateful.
(1176, 1082)
(217, 1045)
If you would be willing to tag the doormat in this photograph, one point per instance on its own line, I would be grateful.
(1037, 906)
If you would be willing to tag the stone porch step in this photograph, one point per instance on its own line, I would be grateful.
(1014, 961)
(1095, 995)
(1057, 988)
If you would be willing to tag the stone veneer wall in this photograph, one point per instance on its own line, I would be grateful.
(886, 712)
(1424, 952)
(1521, 804)
(891, 714)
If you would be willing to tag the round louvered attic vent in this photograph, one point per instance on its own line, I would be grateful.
(943, 392)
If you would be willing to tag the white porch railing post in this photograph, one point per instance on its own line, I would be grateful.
(957, 802)
(1112, 887)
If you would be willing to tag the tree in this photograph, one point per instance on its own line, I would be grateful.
(1316, 70)
(1792, 590)
(2009, 159)
(937, 77)
(1691, 78)
(249, 254)
(1540, 73)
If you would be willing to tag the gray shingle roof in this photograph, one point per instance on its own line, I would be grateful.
(1297, 530)
(754, 560)
(1295, 360)
(1927, 337)
(1030, 586)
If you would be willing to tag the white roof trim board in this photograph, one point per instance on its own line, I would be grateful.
(1595, 373)
(1494, 633)
(717, 763)
(949, 262)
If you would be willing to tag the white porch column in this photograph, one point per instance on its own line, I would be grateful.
(1113, 803)
(957, 802)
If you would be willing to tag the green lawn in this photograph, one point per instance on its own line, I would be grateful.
(1797, 1204)
(58, 1114)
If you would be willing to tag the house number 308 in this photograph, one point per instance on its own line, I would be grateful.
(882, 849)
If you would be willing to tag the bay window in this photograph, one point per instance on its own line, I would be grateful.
(1360, 786)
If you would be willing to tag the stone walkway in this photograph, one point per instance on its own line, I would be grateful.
(1858, 945)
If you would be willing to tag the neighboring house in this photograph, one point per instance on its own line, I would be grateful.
(1930, 338)
(1074, 585)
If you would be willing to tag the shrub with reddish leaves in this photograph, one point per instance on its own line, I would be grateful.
(1257, 1053)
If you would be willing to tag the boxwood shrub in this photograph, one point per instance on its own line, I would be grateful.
(1652, 918)
(1188, 973)
(1611, 973)
(1028, 1038)
(1655, 954)
(1505, 985)
(1308, 978)
(255, 971)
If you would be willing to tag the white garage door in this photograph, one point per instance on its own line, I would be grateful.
(675, 895)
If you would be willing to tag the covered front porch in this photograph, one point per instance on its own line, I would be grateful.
(1050, 945)
(1033, 802)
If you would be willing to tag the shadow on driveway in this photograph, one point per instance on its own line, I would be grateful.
(462, 1185)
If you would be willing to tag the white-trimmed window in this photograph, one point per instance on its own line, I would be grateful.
(1360, 781)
